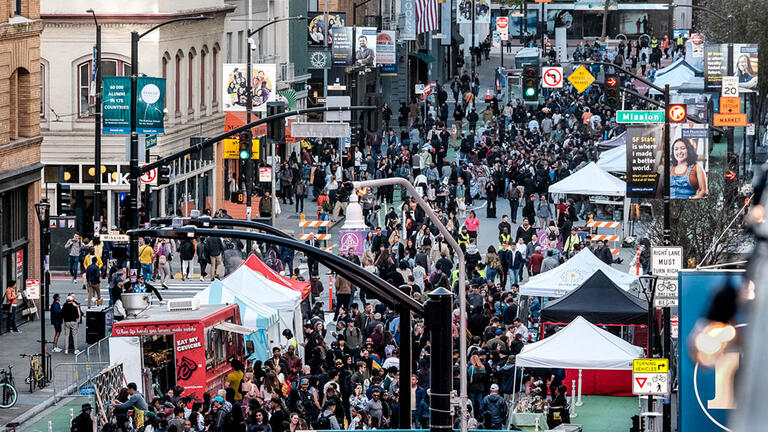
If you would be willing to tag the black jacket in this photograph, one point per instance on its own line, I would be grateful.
(69, 312)
(187, 250)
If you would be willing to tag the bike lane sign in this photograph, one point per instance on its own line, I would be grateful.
(655, 384)
(666, 262)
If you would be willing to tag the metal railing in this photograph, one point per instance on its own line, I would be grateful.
(72, 379)
(98, 352)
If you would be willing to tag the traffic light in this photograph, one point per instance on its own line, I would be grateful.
(612, 91)
(731, 173)
(531, 83)
(276, 128)
(63, 198)
(163, 175)
(246, 146)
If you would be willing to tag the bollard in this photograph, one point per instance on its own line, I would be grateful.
(573, 397)
(578, 399)
(50, 426)
(330, 292)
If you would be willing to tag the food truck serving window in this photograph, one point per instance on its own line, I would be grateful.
(234, 328)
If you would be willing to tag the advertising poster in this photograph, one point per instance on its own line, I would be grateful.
(745, 66)
(645, 148)
(634, 23)
(115, 105)
(689, 159)
(482, 12)
(316, 26)
(150, 104)
(352, 240)
(341, 52)
(263, 77)
(365, 46)
(706, 397)
(408, 29)
(528, 26)
(386, 48)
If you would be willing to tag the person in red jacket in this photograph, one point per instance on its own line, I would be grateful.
(536, 260)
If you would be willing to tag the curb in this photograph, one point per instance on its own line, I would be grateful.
(32, 412)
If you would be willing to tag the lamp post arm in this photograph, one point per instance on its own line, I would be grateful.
(171, 21)
(274, 21)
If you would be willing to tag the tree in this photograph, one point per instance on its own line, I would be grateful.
(696, 225)
(604, 32)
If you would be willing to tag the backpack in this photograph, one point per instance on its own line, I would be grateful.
(323, 422)
(551, 235)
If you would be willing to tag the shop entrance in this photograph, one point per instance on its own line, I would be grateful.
(159, 361)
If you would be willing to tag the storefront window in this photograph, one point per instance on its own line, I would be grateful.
(72, 173)
(159, 359)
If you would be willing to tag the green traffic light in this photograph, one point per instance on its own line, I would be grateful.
(530, 91)
(244, 154)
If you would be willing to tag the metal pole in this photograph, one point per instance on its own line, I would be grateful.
(97, 132)
(543, 29)
(325, 47)
(462, 280)
(248, 109)
(406, 366)
(730, 73)
(667, 164)
(43, 360)
(134, 163)
(472, 48)
(275, 201)
(437, 317)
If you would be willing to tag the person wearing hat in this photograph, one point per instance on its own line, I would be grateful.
(83, 422)
(221, 417)
(494, 409)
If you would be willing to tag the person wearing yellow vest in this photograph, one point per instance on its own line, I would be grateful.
(654, 43)
(504, 238)
(463, 238)
(146, 258)
(571, 242)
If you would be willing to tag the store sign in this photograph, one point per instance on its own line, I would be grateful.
(644, 153)
(386, 47)
(20, 264)
(116, 105)
(707, 395)
(32, 291)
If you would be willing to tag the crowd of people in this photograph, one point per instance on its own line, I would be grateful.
(348, 374)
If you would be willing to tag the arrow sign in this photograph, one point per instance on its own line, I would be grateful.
(641, 381)
(552, 77)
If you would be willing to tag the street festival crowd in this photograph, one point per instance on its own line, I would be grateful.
(348, 375)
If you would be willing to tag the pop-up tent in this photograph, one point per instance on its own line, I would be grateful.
(253, 315)
(248, 283)
(590, 180)
(580, 345)
(253, 262)
(599, 301)
(614, 160)
(617, 141)
(568, 276)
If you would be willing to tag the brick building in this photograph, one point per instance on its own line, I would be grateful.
(20, 167)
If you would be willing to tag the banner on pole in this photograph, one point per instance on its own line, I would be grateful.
(645, 149)
(150, 105)
(263, 86)
(116, 105)
(408, 29)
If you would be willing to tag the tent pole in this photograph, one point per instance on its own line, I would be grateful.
(578, 399)
(573, 398)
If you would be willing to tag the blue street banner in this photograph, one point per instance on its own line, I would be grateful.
(706, 393)
(150, 104)
(116, 106)
(408, 29)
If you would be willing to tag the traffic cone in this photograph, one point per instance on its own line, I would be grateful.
(488, 95)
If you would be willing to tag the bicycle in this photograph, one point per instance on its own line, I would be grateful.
(36, 376)
(8, 393)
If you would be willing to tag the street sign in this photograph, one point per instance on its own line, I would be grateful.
(581, 79)
(337, 87)
(502, 26)
(730, 105)
(666, 261)
(650, 365)
(419, 88)
(730, 86)
(231, 148)
(750, 129)
(734, 120)
(674, 325)
(120, 238)
(150, 141)
(656, 384)
(265, 174)
(639, 116)
(552, 77)
(33, 289)
(677, 113)
(149, 177)
(666, 294)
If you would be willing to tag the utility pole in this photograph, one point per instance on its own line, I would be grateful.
(248, 109)
(666, 316)
(97, 129)
(472, 48)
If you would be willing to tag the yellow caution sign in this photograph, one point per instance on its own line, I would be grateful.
(581, 79)
(656, 365)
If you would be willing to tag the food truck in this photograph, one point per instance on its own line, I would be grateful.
(168, 345)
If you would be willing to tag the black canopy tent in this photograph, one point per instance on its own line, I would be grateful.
(599, 301)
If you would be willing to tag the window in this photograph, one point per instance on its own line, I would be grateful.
(239, 46)
(177, 86)
(86, 74)
(42, 90)
(190, 87)
(202, 79)
(215, 74)
(17, 9)
(228, 47)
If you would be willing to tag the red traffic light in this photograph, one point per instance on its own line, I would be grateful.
(611, 82)
(730, 175)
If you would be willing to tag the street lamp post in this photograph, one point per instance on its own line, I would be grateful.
(43, 211)
(135, 172)
(97, 128)
(462, 281)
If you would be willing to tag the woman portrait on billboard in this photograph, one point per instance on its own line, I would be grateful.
(688, 180)
(747, 76)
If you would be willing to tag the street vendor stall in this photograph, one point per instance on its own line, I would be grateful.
(190, 347)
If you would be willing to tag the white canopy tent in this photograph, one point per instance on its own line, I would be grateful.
(590, 180)
(571, 274)
(614, 160)
(248, 283)
(580, 345)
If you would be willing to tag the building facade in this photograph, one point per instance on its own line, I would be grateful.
(188, 54)
(20, 139)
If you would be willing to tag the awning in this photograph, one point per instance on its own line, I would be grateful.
(426, 58)
(457, 38)
(234, 328)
